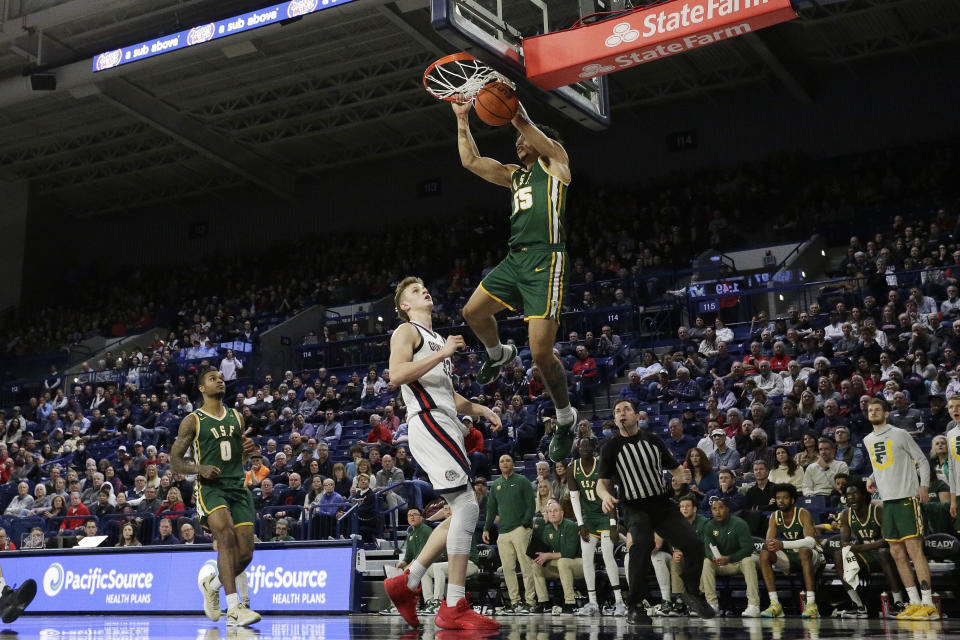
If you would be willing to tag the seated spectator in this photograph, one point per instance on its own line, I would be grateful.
(165, 533)
(677, 441)
(725, 491)
(683, 389)
(758, 451)
(258, 471)
(330, 430)
(635, 390)
(89, 530)
(102, 507)
(379, 434)
(760, 499)
(848, 453)
(768, 380)
(726, 400)
(364, 467)
(473, 441)
(41, 501)
(367, 516)
(818, 476)
(21, 504)
(329, 503)
(151, 502)
(809, 450)
(189, 536)
(585, 368)
(172, 506)
(831, 420)
(704, 478)
(904, 416)
(786, 471)
(282, 531)
(560, 540)
(266, 497)
(729, 536)
(723, 457)
(5, 543)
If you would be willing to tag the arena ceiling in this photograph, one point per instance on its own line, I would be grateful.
(272, 105)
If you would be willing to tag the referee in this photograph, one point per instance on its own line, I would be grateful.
(634, 461)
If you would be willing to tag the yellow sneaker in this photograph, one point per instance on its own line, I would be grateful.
(926, 612)
(810, 611)
(775, 610)
(909, 612)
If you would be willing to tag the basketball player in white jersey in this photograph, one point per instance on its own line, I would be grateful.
(420, 362)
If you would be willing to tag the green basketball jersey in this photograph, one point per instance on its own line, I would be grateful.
(538, 202)
(590, 504)
(866, 531)
(219, 443)
(792, 532)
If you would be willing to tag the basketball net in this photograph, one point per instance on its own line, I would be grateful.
(459, 77)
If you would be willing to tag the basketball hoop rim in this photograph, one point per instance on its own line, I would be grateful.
(461, 56)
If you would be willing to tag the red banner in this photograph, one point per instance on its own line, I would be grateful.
(565, 57)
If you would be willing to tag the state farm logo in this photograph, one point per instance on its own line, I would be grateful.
(300, 7)
(201, 34)
(622, 33)
(592, 70)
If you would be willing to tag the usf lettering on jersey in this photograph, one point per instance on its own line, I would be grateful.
(881, 454)
(219, 442)
(587, 483)
(793, 531)
(538, 200)
(869, 530)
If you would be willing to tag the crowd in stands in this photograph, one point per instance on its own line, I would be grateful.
(779, 402)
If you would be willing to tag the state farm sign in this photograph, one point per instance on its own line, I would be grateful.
(564, 57)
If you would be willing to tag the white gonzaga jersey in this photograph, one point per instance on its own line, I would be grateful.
(434, 390)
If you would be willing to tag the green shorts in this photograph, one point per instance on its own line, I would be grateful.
(870, 560)
(597, 525)
(533, 278)
(232, 495)
(902, 519)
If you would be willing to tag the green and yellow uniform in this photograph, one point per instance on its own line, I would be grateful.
(219, 442)
(534, 273)
(513, 500)
(865, 532)
(591, 506)
(563, 538)
(793, 531)
(416, 540)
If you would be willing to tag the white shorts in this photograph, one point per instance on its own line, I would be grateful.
(436, 442)
(783, 560)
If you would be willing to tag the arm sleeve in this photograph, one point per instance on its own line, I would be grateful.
(923, 466)
(575, 503)
(803, 543)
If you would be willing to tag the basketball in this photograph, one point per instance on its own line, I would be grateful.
(496, 104)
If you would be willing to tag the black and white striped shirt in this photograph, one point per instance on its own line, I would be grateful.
(636, 465)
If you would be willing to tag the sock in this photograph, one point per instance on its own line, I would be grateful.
(926, 597)
(855, 598)
(617, 596)
(215, 584)
(455, 592)
(243, 587)
(233, 601)
(416, 574)
(495, 352)
(565, 416)
(592, 597)
(774, 598)
(898, 596)
(811, 597)
(913, 594)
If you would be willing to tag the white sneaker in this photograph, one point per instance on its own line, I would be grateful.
(211, 598)
(589, 609)
(620, 609)
(240, 616)
(753, 611)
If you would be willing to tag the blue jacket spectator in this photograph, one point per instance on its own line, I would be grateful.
(726, 491)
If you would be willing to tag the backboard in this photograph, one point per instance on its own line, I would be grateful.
(496, 39)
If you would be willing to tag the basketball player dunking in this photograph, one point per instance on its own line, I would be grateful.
(534, 272)
(224, 503)
(420, 362)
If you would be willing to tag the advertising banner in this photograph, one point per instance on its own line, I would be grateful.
(310, 579)
(561, 58)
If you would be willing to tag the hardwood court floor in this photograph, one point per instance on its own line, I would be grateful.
(540, 627)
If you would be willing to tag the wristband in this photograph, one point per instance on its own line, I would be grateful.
(613, 522)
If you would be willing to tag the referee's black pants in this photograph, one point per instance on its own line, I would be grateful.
(662, 515)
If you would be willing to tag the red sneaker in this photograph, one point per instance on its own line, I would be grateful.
(403, 597)
(463, 616)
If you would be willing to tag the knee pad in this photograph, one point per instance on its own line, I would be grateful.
(463, 520)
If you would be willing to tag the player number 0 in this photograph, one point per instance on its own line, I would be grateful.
(226, 451)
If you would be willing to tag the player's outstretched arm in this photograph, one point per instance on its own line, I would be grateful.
(468, 408)
(552, 150)
(487, 168)
(403, 370)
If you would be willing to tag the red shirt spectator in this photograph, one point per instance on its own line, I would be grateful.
(474, 440)
(779, 363)
(585, 366)
(379, 433)
(76, 509)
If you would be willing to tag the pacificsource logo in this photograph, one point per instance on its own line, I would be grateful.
(622, 33)
(53, 579)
